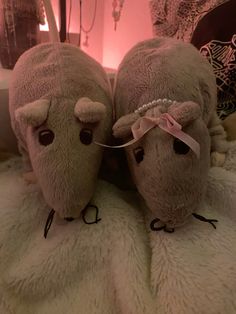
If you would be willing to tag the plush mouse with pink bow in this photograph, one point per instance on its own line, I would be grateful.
(166, 112)
(165, 98)
(169, 157)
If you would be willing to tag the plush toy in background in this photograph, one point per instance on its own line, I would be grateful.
(230, 126)
(219, 142)
(166, 121)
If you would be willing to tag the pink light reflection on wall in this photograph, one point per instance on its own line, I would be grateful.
(74, 22)
(106, 45)
(55, 5)
(95, 41)
(95, 48)
(134, 26)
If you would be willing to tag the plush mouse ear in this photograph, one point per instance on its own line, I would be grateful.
(186, 112)
(34, 113)
(122, 127)
(89, 111)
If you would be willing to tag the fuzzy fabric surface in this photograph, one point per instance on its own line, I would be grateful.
(193, 270)
(80, 268)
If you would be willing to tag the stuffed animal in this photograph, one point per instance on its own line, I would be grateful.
(166, 121)
(165, 68)
(170, 103)
(95, 257)
(169, 165)
(57, 110)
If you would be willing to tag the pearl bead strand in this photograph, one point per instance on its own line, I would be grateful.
(153, 104)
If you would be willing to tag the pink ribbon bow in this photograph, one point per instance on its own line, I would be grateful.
(165, 122)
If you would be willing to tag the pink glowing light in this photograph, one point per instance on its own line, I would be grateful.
(55, 6)
(106, 45)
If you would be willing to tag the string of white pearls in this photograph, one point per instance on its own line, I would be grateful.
(153, 104)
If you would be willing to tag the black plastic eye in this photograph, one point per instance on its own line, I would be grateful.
(86, 136)
(69, 219)
(46, 137)
(139, 154)
(180, 147)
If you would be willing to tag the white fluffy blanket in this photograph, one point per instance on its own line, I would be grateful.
(193, 270)
(104, 268)
(86, 269)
